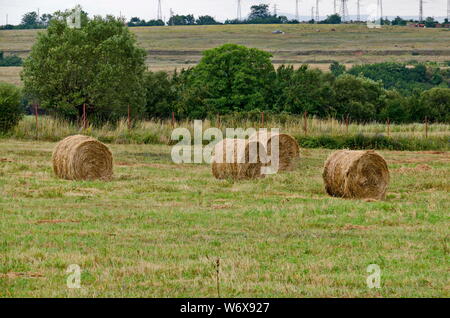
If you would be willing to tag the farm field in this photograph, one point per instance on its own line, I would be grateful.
(157, 229)
(182, 46)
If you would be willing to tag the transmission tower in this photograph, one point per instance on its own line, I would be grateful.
(159, 10)
(312, 13)
(275, 9)
(171, 15)
(448, 9)
(239, 10)
(380, 8)
(317, 11)
(420, 10)
(335, 7)
(344, 10)
(358, 14)
(297, 16)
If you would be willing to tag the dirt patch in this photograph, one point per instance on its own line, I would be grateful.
(56, 221)
(21, 275)
(5, 160)
(356, 227)
(418, 168)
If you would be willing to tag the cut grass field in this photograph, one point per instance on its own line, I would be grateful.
(182, 46)
(158, 228)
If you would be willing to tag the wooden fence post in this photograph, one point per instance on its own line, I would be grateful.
(389, 127)
(426, 127)
(84, 116)
(173, 119)
(346, 123)
(305, 122)
(218, 121)
(129, 117)
(37, 120)
(262, 119)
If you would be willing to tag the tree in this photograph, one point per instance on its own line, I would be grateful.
(30, 20)
(430, 22)
(333, 19)
(160, 95)
(11, 110)
(260, 11)
(45, 19)
(98, 65)
(229, 78)
(182, 20)
(305, 90)
(337, 69)
(436, 104)
(359, 97)
(399, 21)
(206, 20)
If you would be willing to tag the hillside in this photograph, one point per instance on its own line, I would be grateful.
(181, 46)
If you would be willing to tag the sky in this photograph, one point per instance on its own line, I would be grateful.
(220, 9)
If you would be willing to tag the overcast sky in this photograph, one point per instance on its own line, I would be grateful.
(220, 9)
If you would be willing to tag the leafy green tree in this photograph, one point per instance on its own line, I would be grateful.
(161, 95)
(229, 78)
(206, 20)
(430, 22)
(358, 97)
(11, 110)
(337, 69)
(399, 21)
(30, 20)
(436, 104)
(98, 65)
(396, 108)
(260, 11)
(305, 90)
(182, 20)
(333, 19)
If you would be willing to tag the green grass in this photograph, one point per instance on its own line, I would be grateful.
(328, 133)
(157, 229)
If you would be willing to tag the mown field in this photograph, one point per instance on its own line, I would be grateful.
(182, 46)
(157, 229)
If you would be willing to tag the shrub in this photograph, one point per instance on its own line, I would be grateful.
(11, 110)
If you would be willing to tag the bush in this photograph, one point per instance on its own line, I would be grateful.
(11, 110)
(379, 142)
(11, 60)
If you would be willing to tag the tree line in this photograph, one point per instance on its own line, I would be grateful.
(259, 14)
(100, 67)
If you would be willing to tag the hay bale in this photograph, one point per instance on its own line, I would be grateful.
(82, 158)
(356, 174)
(242, 165)
(289, 151)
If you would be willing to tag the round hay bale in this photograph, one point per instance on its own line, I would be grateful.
(82, 158)
(288, 148)
(241, 165)
(356, 174)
